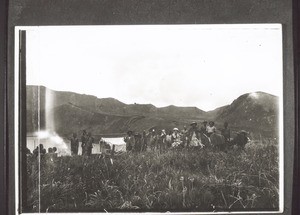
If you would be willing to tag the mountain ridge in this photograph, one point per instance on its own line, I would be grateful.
(111, 99)
(105, 105)
(254, 111)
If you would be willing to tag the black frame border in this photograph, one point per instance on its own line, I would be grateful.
(7, 90)
(3, 106)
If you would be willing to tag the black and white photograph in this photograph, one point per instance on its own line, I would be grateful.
(151, 118)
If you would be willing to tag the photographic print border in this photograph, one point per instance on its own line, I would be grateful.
(20, 15)
(20, 112)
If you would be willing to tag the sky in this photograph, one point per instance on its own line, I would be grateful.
(206, 66)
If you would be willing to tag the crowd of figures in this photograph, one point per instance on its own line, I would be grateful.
(86, 140)
(42, 151)
(204, 136)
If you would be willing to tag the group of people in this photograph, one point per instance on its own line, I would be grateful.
(195, 136)
(205, 135)
(41, 150)
(86, 140)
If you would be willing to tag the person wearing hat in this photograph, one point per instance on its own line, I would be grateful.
(129, 140)
(176, 138)
(243, 132)
(194, 136)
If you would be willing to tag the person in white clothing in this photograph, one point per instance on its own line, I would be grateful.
(176, 138)
(210, 128)
(194, 139)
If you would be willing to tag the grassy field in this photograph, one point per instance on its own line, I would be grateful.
(177, 180)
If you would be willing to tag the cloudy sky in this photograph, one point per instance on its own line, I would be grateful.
(206, 66)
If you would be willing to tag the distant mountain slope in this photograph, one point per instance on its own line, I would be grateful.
(214, 113)
(67, 118)
(69, 112)
(256, 110)
(175, 111)
(57, 98)
(105, 105)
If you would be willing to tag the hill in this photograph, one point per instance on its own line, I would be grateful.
(213, 113)
(68, 118)
(104, 105)
(68, 112)
(255, 111)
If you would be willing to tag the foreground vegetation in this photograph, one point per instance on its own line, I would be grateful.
(177, 180)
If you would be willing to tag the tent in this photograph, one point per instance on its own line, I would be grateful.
(118, 142)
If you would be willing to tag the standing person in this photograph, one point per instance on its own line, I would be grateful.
(203, 127)
(176, 138)
(162, 141)
(210, 128)
(39, 150)
(129, 140)
(194, 138)
(43, 150)
(83, 142)
(74, 144)
(169, 139)
(226, 133)
(184, 136)
(153, 140)
(137, 142)
(50, 150)
(144, 141)
(49, 158)
(54, 150)
(28, 152)
(89, 144)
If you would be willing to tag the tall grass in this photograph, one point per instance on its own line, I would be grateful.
(176, 180)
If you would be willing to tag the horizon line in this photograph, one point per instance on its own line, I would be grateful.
(135, 103)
